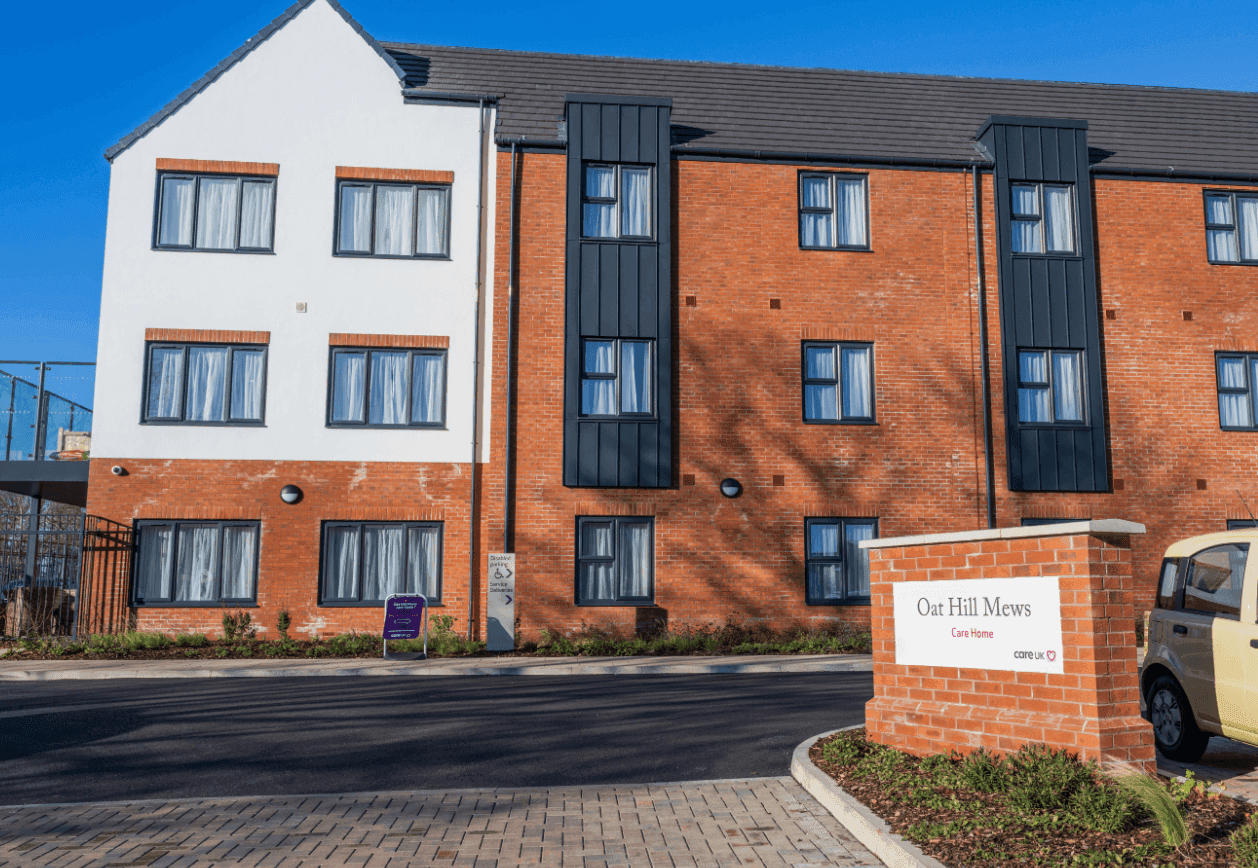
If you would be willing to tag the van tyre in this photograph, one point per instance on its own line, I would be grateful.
(1174, 728)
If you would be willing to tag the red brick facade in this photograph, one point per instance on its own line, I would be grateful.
(1092, 708)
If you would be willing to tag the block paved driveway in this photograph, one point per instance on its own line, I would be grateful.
(751, 822)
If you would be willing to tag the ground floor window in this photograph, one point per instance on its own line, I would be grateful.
(615, 561)
(837, 567)
(365, 562)
(191, 563)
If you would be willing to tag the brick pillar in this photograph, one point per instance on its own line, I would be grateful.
(1092, 709)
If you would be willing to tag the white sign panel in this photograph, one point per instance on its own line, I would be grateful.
(500, 629)
(1009, 624)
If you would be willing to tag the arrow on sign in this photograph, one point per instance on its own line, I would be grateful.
(509, 598)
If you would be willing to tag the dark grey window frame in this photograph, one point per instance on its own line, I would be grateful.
(1015, 217)
(867, 247)
(149, 346)
(809, 559)
(341, 183)
(325, 602)
(617, 200)
(806, 381)
(1052, 394)
(616, 521)
(197, 176)
(645, 417)
(1241, 524)
(1234, 226)
(410, 372)
(1251, 388)
(218, 603)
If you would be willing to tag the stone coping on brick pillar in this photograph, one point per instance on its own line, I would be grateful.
(1092, 708)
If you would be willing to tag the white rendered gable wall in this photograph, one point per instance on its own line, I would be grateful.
(312, 97)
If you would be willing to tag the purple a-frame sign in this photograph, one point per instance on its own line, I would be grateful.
(405, 615)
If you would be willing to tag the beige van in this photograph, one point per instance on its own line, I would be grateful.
(1200, 674)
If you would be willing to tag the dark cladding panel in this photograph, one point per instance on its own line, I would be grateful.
(1048, 301)
(618, 289)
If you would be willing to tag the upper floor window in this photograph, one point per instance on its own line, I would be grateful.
(837, 567)
(403, 221)
(1043, 218)
(224, 213)
(615, 561)
(838, 382)
(1231, 227)
(365, 562)
(190, 563)
(388, 388)
(616, 202)
(1238, 375)
(1050, 387)
(833, 211)
(211, 384)
(617, 377)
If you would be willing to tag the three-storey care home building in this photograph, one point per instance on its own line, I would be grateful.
(709, 325)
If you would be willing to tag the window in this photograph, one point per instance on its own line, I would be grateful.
(401, 221)
(388, 388)
(838, 382)
(1167, 584)
(615, 561)
(1231, 227)
(837, 567)
(365, 562)
(1050, 387)
(617, 202)
(224, 213)
(196, 563)
(833, 214)
(616, 377)
(1215, 579)
(1241, 523)
(1043, 218)
(1237, 377)
(205, 384)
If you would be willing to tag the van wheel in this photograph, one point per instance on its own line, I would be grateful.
(1174, 728)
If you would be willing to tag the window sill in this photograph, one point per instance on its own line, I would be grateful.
(1054, 426)
(366, 426)
(592, 240)
(1018, 255)
(864, 422)
(619, 604)
(625, 418)
(211, 250)
(1245, 430)
(421, 258)
(229, 604)
(172, 422)
(1250, 262)
(855, 601)
(839, 249)
(380, 605)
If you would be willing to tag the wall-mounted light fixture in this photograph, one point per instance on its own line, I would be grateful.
(731, 487)
(290, 494)
(118, 470)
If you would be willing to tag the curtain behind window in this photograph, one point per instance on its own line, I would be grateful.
(341, 564)
(597, 580)
(422, 566)
(851, 211)
(384, 559)
(825, 580)
(821, 401)
(857, 558)
(636, 203)
(1068, 386)
(348, 377)
(598, 397)
(247, 384)
(599, 218)
(1248, 209)
(198, 562)
(388, 389)
(857, 391)
(1059, 222)
(1234, 407)
(165, 383)
(428, 388)
(355, 219)
(1026, 233)
(635, 560)
(154, 572)
(395, 212)
(217, 210)
(434, 206)
(635, 377)
(207, 383)
(1033, 402)
(256, 214)
(1221, 243)
(816, 228)
(178, 195)
(239, 555)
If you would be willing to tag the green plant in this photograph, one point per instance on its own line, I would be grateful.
(1155, 799)
(191, 640)
(984, 773)
(1042, 778)
(143, 641)
(1103, 807)
(190, 653)
(843, 750)
(1189, 786)
(282, 623)
(1245, 843)
(238, 625)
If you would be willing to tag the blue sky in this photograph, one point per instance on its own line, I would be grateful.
(81, 75)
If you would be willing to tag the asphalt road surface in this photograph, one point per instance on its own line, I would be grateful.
(87, 741)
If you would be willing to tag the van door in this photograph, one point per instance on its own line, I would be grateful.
(1236, 656)
(1206, 636)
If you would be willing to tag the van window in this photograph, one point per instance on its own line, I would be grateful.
(1166, 587)
(1215, 578)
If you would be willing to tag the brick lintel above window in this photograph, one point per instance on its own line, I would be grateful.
(217, 167)
(207, 336)
(413, 176)
(419, 342)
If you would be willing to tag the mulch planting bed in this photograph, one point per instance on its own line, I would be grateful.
(1041, 809)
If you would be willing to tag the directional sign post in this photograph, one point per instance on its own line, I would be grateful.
(405, 615)
(501, 628)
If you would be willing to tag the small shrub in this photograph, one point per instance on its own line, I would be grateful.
(1042, 778)
(191, 640)
(238, 625)
(1160, 803)
(843, 750)
(143, 641)
(984, 773)
(1245, 843)
(190, 653)
(1103, 807)
(282, 623)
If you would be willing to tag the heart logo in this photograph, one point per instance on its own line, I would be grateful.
(1052, 655)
